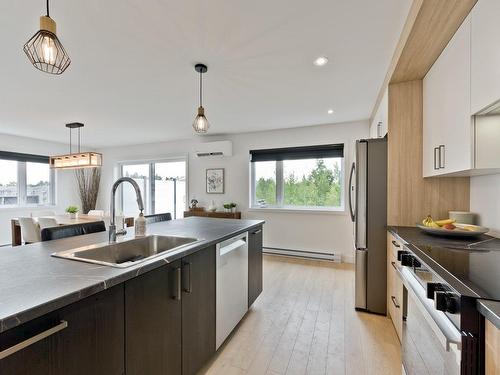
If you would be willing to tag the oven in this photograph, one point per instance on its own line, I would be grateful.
(431, 344)
(436, 337)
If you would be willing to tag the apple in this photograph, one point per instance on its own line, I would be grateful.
(449, 226)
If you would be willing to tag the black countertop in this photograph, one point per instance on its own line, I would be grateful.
(33, 283)
(470, 265)
(490, 310)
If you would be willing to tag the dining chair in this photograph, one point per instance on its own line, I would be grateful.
(63, 231)
(96, 213)
(156, 218)
(43, 213)
(29, 230)
(47, 222)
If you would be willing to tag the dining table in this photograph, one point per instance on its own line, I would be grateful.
(62, 220)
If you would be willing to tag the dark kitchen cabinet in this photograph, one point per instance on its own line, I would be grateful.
(153, 322)
(198, 310)
(86, 337)
(254, 264)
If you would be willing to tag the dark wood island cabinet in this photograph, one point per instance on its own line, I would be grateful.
(86, 337)
(162, 321)
(254, 264)
(153, 336)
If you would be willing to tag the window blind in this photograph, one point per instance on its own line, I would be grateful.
(6, 155)
(296, 153)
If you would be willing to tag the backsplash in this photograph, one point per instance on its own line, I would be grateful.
(485, 201)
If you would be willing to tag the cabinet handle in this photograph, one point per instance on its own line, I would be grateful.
(393, 264)
(257, 231)
(396, 244)
(24, 344)
(189, 285)
(442, 161)
(395, 302)
(178, 282)
(436, 156)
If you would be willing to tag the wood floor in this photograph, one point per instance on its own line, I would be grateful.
(305, 323)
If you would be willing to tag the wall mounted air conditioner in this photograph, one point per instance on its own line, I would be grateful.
(214, 149)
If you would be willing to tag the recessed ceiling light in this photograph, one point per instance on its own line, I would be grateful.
(330, 111)
(321, 61)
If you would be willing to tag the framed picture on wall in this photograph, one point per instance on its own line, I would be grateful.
(215, 181)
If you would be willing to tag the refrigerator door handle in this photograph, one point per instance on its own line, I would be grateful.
(351, 189)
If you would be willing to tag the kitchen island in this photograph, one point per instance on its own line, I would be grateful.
(154, 317)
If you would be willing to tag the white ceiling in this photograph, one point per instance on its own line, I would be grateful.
(132, 79)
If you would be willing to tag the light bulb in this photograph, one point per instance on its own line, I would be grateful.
(200, 124)
(49, 51)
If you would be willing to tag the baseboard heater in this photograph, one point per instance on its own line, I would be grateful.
(301, 254)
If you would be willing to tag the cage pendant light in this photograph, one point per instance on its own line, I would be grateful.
(44, 50)
(200, 123)
(76, 160)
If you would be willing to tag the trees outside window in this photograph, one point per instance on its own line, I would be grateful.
(303, 183)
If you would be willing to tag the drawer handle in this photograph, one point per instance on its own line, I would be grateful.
(178, 282)
(396, 244)
(32, 340)
(396, 304)
(189, 287)
(257, 231)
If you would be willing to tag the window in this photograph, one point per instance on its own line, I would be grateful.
(166, 192)
(26, 180)
(298, 178)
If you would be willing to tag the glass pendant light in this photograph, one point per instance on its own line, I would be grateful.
(200, 123)
(44, 50)
(76, 160)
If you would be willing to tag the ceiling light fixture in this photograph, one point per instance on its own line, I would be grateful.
(200, 123)
(76, 160)
(330, 111)
(44, 50)
(321, 61)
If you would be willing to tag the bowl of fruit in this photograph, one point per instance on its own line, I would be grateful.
(448, 227)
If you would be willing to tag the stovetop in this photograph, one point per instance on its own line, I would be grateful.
(471, 265)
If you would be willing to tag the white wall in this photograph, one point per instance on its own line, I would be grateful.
(381, 116)
(321, 232)
(66, 193)
(485, 201)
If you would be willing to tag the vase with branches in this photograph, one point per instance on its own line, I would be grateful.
(88, 187)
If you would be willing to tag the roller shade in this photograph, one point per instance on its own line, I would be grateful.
(296, 153)
(6, 155)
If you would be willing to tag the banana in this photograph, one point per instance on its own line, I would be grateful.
(444, 222)
(429, 222)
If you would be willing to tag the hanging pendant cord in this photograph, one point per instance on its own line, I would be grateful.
(48, 14)
(201, 89)
(78, 140)
(70, 141)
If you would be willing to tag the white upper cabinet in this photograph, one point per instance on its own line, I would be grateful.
(379, 126)
(485, 54)
(447, 123)
(464, 80)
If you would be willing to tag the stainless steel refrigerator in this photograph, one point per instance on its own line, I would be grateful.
(368, 206)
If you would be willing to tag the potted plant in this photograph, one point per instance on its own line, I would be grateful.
(227, 207)
(233, 207)
(72, 211)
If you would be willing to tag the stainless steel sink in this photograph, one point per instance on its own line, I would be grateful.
(127, 253)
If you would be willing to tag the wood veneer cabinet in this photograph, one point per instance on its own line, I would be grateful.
(394, 285)
(492, 345)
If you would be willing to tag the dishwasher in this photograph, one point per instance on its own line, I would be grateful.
(232, 285)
